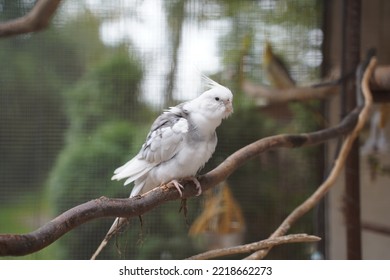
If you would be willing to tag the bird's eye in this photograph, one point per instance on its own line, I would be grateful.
(216, 98)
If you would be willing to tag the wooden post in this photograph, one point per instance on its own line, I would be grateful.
(350, 61)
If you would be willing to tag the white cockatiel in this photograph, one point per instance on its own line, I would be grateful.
(181, 140)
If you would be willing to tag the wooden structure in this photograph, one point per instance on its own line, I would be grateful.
(358, 206)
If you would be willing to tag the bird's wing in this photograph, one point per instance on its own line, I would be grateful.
(163, 142)
(166, 136)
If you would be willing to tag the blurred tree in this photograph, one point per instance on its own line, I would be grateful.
(30, 136)
(176, 14)
(11, 9)
(108, 92)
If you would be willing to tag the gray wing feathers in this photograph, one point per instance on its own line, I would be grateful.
(165, 137)
(163, 143)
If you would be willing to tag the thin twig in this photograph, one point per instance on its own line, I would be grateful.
(313, 200)
(251, 247)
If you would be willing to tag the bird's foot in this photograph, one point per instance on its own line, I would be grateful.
(177, 185)
(180, 187)
(197, 184)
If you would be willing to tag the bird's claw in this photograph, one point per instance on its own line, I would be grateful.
(197, 184)
(180, 187)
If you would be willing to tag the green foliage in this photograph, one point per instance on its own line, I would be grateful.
(11, 9)
(32, 120)
(108, 92)
(83, 33)
(85, 166)
(37, 69)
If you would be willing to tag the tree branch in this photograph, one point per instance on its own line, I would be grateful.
(22, 244)
(273, 95)
(376, 228)
(380, 80)
(251, 247)
(379, 83)
(37, 19)
(313, 200)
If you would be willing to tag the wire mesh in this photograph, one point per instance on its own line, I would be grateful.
(77, 101)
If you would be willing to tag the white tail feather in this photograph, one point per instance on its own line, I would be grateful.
(132, 170)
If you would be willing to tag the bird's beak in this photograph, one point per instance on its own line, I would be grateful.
(229, 106)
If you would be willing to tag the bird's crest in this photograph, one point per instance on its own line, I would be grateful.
(210, 83)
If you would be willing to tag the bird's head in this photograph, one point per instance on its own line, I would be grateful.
(209, 108)
(217, 102)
